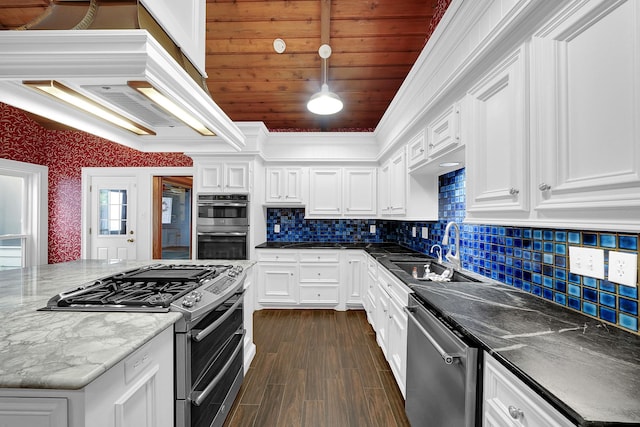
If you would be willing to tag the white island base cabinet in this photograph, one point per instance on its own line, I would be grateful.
(137, 391)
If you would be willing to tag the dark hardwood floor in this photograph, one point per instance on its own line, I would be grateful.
(317, 368)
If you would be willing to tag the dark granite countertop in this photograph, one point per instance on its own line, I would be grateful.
(587, 369)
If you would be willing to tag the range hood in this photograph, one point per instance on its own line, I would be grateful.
(106, 51)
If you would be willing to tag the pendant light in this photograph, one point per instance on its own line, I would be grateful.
(324, 102)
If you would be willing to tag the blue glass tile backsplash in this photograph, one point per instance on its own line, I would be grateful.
(535, 260)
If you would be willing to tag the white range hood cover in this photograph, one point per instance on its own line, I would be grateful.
(98, 64)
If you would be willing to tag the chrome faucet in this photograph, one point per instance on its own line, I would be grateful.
(453, 259)
(438, 251)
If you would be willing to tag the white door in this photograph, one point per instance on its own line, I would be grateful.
(112, 228)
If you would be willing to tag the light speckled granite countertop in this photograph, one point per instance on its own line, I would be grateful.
(68, 350)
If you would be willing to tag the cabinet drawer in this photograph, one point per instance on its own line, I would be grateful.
(319, 295)
(396, 289)
(507, 397)
(320, 273)
(319, 256)
(277, 255)
(372, 265)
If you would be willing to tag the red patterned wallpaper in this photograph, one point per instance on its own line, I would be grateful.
(66, 153)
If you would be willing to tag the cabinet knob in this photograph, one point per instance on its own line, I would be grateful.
(514, 191)
(422, 150)
(544, 187)
(516, 413)
(318, 274)
(431, 145)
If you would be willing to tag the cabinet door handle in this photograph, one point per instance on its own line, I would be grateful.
(544, 187)
(514, 191)
(516, 413)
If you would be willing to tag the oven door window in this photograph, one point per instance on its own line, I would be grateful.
(232, 211)
(205, 351)
(201, 415)
(222, 245)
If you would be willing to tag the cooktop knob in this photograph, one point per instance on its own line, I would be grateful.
(188, 301)
(197, 296)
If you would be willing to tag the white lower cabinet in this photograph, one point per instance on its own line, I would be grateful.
(508, 402)
(308, 278)
(391, 324)
(355, 274)
(137, 391)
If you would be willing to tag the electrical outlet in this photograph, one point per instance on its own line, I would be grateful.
(372, 229)
(586, 261)
(413, 231)
(425, 232)
(276, 228)
(623, 268)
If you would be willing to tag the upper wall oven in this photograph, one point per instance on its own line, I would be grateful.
(223, 209)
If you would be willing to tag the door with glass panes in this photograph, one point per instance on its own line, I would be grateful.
(112, 233)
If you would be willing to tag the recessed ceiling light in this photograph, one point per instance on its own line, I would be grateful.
(279, 45)
(449, 164)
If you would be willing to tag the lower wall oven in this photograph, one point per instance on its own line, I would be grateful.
(441, 372)
(209, 363)
(222, 242)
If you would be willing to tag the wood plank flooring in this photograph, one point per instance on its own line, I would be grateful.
(317, 368)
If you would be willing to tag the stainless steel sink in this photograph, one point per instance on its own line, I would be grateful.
(434, 267)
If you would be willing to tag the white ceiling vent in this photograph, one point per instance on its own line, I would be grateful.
(131, 102)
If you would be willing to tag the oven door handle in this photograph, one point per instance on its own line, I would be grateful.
(223, 204)
(448, 358)
(206, 331)
(197, 397)
(222, 234)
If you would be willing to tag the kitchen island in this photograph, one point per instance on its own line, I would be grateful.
(62, 354)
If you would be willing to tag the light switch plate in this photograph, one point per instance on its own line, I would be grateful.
(276, 228)
(623, 268)
(413, 231)
(372, 229)
(425, 232)
(586, 261)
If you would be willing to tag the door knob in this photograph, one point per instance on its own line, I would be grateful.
(130, 240)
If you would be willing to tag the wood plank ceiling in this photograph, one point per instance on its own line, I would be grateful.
(374, 44)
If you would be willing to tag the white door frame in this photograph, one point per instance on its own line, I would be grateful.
(144, 200)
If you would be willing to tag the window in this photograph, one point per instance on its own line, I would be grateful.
(23, 214)
(113, 212)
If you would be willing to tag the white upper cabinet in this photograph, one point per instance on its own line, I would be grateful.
(417, 150)
(586, 116)
(360, 192)
(284, 186)
(325, 192)
(498, 146)
(342, 192)
(185, 22)
(393, 185)
(231, 177)
(443, 133)
(441, 136)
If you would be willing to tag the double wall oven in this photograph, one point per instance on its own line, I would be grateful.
(222, 226)
(208, 339)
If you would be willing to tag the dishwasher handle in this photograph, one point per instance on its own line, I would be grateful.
(448, 358)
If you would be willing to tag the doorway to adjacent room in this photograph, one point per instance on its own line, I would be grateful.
(172, 200)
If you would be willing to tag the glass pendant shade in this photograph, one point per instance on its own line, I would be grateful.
(324, 102)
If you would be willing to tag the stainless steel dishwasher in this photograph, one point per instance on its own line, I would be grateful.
(441, 372)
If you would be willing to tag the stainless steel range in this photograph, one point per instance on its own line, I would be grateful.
(209, 338)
